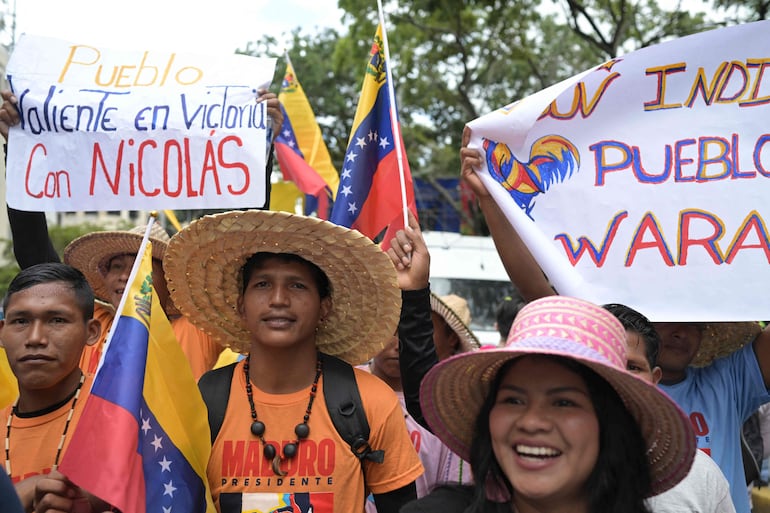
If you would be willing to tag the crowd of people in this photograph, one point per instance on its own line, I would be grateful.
(581, 408)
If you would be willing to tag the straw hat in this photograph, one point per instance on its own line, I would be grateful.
(720, 339)
(203, 269)
(455, 312)
(91, 253)
(453, 391)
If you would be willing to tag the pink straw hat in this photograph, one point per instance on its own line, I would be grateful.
(453, 391)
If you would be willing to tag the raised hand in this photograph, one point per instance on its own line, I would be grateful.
(410, 256)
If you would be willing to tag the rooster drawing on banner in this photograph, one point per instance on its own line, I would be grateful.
(552, 159)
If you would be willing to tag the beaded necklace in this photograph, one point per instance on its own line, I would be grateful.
(74, 397)
(302, 430)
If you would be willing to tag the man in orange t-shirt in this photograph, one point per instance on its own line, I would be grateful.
(48, 322)
(292, 293)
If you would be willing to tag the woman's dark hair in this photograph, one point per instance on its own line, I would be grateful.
(54, 272)
(257, 260)
(620, 480)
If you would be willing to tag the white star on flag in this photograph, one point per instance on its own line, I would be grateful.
(165, 465)
(168, 489)
(360, 142)
(351, 157)
(346, 190)
(156, 442)
(146, 425)
(352, 208)
(384, 142)
(346, 172)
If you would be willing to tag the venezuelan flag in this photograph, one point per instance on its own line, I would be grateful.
(142, 442)
(369, 197)
(318, 195)
(9, 388)
(301, 150)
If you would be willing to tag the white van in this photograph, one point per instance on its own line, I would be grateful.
(470, 267)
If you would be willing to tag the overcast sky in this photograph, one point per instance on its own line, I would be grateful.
(215, 27)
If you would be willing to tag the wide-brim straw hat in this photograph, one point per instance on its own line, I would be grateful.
(91, 253)
(203, 269)
(720, 339)
(453, 391)
(455, 312)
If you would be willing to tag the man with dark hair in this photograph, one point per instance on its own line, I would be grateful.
(300, 297)
(643, 341)
(48, 321)
(47, 273)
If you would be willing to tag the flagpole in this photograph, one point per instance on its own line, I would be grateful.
(393, 116)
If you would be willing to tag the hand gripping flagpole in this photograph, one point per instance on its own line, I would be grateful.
(393, 115)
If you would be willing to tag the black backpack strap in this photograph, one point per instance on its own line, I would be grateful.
(215, 389)
(346, 409)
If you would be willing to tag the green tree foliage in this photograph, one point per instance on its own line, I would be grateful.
(454, 60)
(613, 27)
(741, 11)
(331, 82)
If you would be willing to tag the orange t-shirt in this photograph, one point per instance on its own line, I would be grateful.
(89, 360)
(201, 351)
(33, 441)
(324, 475)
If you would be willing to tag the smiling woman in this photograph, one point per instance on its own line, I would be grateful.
(553, 422)
(542, 422)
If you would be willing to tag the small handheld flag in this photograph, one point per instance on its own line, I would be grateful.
(142, 442)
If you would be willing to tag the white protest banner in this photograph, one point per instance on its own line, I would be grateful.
(106, 129)
(646, 180)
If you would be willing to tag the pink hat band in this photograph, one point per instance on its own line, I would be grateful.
(584, 323)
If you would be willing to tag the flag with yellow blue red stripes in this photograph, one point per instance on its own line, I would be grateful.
(142, 442)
